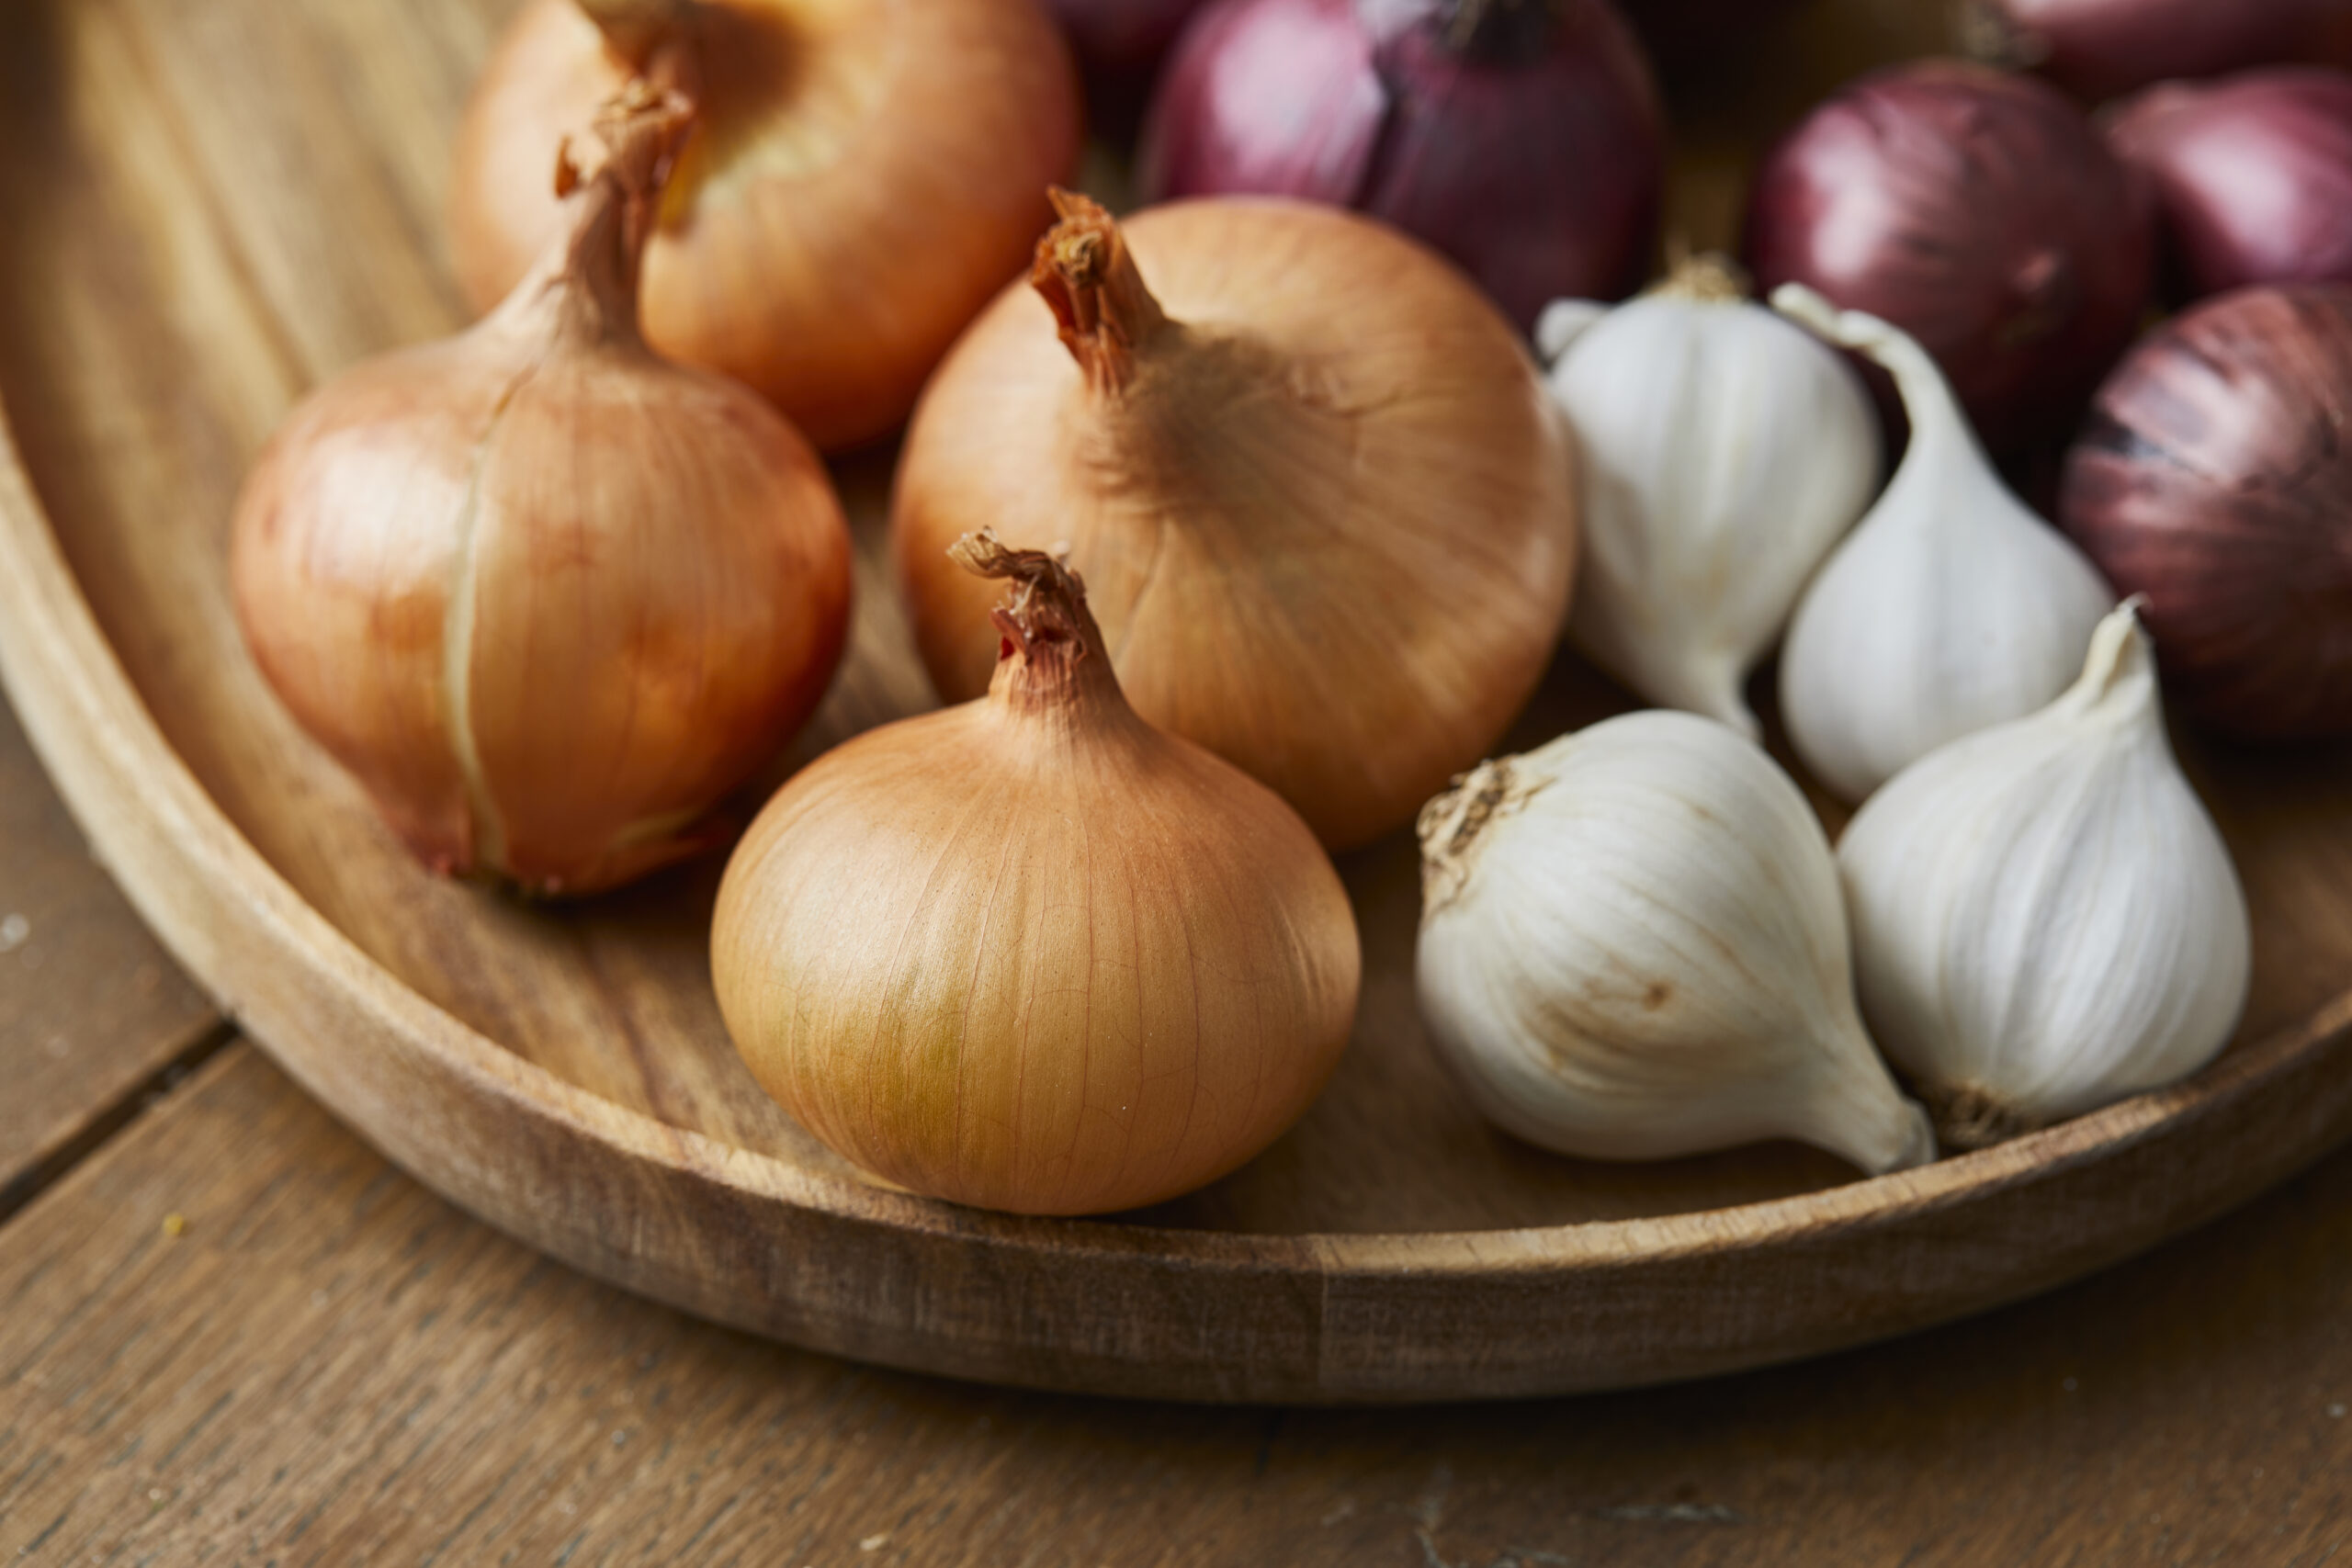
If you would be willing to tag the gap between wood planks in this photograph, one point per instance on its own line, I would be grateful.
(113, 1118)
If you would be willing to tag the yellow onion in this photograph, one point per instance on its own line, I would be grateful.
(548, 595)
(867, 175)
(1030, 953)
(1328, 515)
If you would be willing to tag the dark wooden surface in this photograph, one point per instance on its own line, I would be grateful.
(91, 1010)
(229, 1332)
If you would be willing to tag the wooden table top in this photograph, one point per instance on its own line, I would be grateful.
(230, 1333)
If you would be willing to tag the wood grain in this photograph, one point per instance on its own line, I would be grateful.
(327, 1365)
(210, 208)
(92, 1011)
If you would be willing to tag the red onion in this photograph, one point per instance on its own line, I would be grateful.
(1522, 138)
(2253, 175)
(1981, 214)
(2099, 48)
(2215, 476)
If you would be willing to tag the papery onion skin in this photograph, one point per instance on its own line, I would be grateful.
(2096, 49)
(640, 567)
(824, 246)
(2253, 175)
(1032, 954)
(2215, 477)
(1535, 165)
(1979, 212)
(1327, 511)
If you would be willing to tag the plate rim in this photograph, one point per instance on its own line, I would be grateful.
(169, 846)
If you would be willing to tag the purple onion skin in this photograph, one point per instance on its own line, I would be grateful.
(2215, 476)
(2252, 175)
(1121, 38)
(1979, 211)
(2101, 48)
(1539, 174)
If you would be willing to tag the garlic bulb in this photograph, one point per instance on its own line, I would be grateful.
(2045, 919)
(1030, 953)
(1725, 451)
(1950, 608)
(1633, 947)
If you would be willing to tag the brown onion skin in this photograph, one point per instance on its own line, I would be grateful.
(2214, 476)
(832, 278)
(659, 571)
(1981, 213)
(2096, 49)
(2253, 175)
(1032, 954)
(1330, 521)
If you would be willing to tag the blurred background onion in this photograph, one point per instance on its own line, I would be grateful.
(2099, 48)
(1522, 138)
(2252, 175)
(1979, 211)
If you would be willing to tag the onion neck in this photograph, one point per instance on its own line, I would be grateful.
(636, 31)
(1085, 273)
(584, 287)
(1989, 36)
(1051, 660)
(1498, 32)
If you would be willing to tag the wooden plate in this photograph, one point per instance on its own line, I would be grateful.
(208, 208)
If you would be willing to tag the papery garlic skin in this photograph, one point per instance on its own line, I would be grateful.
(2045, 917)
(1949, 608)
(1633, 947)
(1725, 452)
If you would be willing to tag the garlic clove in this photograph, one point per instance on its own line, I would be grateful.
(1725, 452)
(1633, 947)
(1951, 607)
(2045, 917)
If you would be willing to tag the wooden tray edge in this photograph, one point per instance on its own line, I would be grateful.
(1113, 1309)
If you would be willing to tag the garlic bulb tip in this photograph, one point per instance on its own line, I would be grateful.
(2045, 917)
(1949, 607)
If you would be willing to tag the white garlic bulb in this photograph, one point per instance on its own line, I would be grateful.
(1726, 450)
(1949, 608)
(1633, 947)
(2045, 919)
